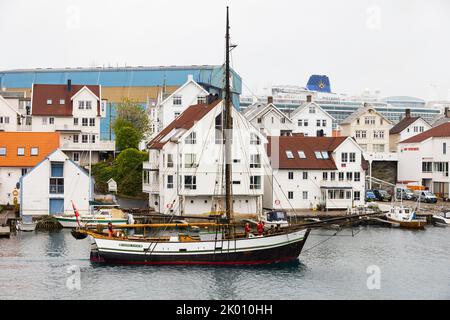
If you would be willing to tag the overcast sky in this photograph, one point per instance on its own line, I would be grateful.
(401, 47)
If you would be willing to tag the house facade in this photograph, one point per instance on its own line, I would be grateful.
(311, 120)
(75, 112)
(405, 129)
(52, 185)
(369, 128)
(184, 174)
(314, 172)
(269, 120)
(424, 159)
(19, 153)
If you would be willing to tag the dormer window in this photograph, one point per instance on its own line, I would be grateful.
(289, 154)
(325, 155)
(62, 101)
(49, 101)
(301, 154)
(318, 154)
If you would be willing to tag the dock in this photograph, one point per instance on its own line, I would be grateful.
(5, 232)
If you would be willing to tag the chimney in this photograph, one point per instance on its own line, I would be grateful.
(69, 85)
(408, 113)
(309, 98)
(446, 112)
(269, 100)
(190, 77)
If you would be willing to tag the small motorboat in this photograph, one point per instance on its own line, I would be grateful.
(405, 217)
(100, 216)
(276, 218)
(443, 219)
(26, 224)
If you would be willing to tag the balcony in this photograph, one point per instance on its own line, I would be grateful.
(68, 128)
(97, 146)
(150, 188)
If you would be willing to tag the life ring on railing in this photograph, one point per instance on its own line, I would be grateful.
(277, 202)
(169, 206)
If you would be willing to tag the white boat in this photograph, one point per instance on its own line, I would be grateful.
(275, 218)
(443, 219)
(26, 224)
(100, 216)
(405, 217)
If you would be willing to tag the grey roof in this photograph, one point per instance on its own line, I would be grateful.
(358, 113)
(439, 119)
(304, 105)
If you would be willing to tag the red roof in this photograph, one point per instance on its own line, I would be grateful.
(56, 93)
(440, 131)
(309, 145)
(403, 124)
(186, 120)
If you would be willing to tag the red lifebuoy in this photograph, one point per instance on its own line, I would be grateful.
(277, 202)
(169, 206)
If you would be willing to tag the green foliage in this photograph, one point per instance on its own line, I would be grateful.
(131, 114)
(127, 137)
(102, 172)
(128, 171)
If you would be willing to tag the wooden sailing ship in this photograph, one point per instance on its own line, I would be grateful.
(218, 242)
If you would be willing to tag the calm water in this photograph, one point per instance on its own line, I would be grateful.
(413, 265)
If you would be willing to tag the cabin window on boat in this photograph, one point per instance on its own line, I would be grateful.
(189, 160)
(255, 182)
(190, 182)
(191, 138)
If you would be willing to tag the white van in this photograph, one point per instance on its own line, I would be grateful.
(425, 196)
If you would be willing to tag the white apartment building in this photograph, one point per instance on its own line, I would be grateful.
(9, 115)
(313, 172)
(52, 185)
(75, 112)
(268, 119)
(369, 128)
(311, 120)
(405, 129)
(184, 174)
(424, 159)
(170, 107)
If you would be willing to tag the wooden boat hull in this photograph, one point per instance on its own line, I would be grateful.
(414, 224)
(248, 251)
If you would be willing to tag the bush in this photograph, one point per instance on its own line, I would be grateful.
(127, 137)
(128, 171)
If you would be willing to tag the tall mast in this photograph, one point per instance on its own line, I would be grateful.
(228, 127)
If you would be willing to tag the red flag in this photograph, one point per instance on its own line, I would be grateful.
(77, 214)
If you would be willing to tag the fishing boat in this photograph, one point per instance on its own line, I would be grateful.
(405, 217)
(443, 219)
(102, 216)
(218, 242)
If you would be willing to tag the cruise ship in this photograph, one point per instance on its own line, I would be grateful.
(288, 97)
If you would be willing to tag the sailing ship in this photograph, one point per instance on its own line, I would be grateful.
(188, 243)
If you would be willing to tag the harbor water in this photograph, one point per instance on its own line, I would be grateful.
(375, 263)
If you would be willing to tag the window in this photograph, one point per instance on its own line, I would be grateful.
(369, 120)
(56, 185)
(24, 171)
(57, 169)
(318, 122)
(318, 154)
(254, 139)
(255, 161)
(444, 148)
(92, 122)
(301, 154)
(325, 155)
(348, 194)
(341, 176)
(427, 166)
(146, 177)
(190, 182)
(93, 138)
(169, 160)
(84, 138)
(378, 147)
(333, 176)
(325, 175)
(290, 195)
(51, 120)
(305, 123)
(169, 182)
(349, 176)
(191, 138)
(237, 182)
(305, 195)
(177, 100)
(49, 101)
(2, 151)
(255, 182)
(378, 134)
(62, 101)
(20, 151)
(291, 175)
(189, 160)
(289, 154)
(357, 176)
(259, 120)
(357, 195)
(84, 122)
(34, 151)
(88, 105)
(201, 100)
(357, 121)
(300, 122)
(305, 175)
(44, 121)
(75, 121)
(176, 114)
(361, 134)
(76, 156)
(352, 157)
(75, 138)
(312, 109)
(283, 120)
(344, 157)
(324, 123)
(80, 105)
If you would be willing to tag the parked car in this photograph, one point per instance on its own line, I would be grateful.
(370, 196)
(425, 196)
(382, 195)
(404, 193)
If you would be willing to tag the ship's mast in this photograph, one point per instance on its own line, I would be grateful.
(228, 126)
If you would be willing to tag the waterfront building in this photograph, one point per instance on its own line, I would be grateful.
(141, 84)
(406, 128)
(424, 159)
(75, 112)
(369, 128)
(51, 186)
(19, 152)
(268, 119)
(314, 172)
(184, 174)
(311, 120)
(170, 106)
(9, 115)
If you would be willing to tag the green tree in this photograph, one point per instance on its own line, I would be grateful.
(102, 172)
(127, 137)
(130, 113)
(128, 171)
